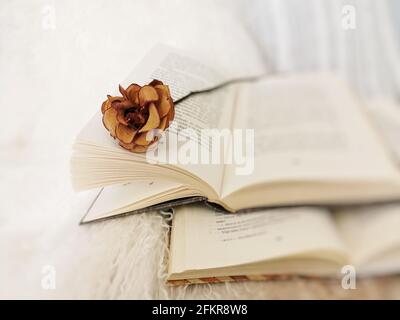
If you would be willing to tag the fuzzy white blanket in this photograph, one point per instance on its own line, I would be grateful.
(126, 259)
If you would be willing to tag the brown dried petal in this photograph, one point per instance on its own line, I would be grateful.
(123, 92)
(105, 105)
(144, 138)
(170, 115)
(153, 121)
(124, 133)
(124, 104)
(155, 82)
(127, 146)
(121, 116)
(164, 104)
(110, 102)
(163, 123)
(164, 88)
(133, 93)
(147, 94)
(139, 149)
(110, 120)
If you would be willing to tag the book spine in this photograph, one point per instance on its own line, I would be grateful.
(278, 277)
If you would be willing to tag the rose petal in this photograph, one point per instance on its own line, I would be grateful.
(164, 104)
(170, 115)
(124, 104)
(121, 116)
(147, 94)
(123, 92)
(133, 93)
(110, 120)
(139, 149)
(155, 82)
(144, 138)
(114, 100)
(127, 146)
(163, 123)
(153, 121)
(124, 133)
(105, 105)
(164, 88)
(110, 102)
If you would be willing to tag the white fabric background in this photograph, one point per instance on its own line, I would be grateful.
(57, 60)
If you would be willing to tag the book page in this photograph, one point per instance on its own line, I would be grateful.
(181, 71)
(307, 127)
(386, 115)
(372, 236)
(202, 238)
(193, 153)
(118, 199)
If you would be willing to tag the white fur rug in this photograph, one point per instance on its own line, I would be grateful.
(126, 259)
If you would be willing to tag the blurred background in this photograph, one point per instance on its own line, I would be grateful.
(58, 58)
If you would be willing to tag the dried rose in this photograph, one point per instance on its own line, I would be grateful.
(133, 117)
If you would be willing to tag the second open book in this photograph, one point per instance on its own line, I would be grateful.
(309, 142)
(207, 246)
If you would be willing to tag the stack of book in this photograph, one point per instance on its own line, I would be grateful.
(294, 198)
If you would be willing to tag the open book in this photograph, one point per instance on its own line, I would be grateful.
(306, 140)
(207, 246)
